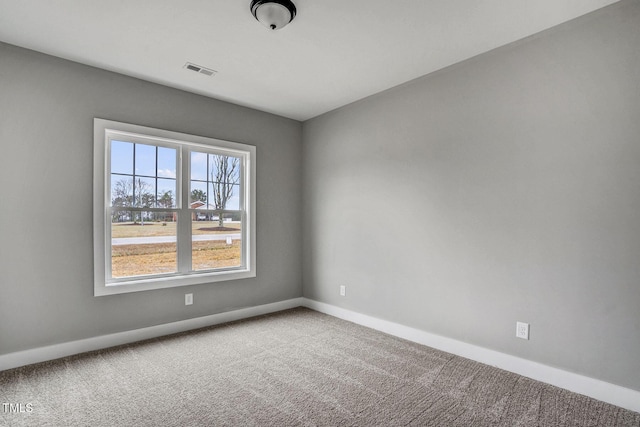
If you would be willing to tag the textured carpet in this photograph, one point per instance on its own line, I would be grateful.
(296, 367)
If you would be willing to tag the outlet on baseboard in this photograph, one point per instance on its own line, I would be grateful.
(188, 299)
(522, 330)
(343, 290)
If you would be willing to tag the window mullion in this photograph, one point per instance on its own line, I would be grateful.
(184, 214)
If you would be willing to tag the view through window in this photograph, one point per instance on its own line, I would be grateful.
(143, 235)
(174, 209)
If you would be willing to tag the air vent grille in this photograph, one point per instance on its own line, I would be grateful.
(199, 69)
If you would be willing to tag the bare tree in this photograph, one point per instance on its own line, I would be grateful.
(225, 175)
(121, 196)
(143, 196)
(128, 192)
(122, 193)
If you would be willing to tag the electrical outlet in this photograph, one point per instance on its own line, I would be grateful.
(343, 290)
(188, 299)
(522, 330)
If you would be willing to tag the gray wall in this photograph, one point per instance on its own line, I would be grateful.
(47, 106)
(503, 188)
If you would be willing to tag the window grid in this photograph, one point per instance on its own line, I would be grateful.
(181, 213)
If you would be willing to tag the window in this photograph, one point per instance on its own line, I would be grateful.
(170, 209)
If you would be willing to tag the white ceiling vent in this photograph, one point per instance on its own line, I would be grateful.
(198, 69)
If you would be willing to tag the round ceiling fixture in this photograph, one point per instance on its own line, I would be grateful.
(273, 14)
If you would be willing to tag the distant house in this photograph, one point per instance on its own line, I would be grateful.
(201, 216)
(198, 204)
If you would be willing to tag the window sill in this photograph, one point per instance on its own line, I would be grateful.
(151, 283)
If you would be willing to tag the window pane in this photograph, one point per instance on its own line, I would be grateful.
(233, 203)
(121, 191)
(166, 195)
(144, 190)
(224, 196)
(143, 243)
(121, 157)
(198, 166)
(167, 162)
(145, 161)
(225, 169)
(216, 243)
(198, 194)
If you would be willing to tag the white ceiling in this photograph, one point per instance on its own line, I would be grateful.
(333, 53)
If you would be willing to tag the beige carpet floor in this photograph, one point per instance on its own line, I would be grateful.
(293, 368)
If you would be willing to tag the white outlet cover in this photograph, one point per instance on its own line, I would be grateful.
(188, 299)
(522, 330)
(343, 290)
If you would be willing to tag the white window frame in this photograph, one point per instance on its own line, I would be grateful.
(103, 131)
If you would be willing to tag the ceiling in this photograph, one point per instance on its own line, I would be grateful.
(335, 51)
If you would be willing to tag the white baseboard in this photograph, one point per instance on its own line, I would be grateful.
(606, 392)
(56, 351)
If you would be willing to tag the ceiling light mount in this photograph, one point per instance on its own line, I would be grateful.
(273, 14)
